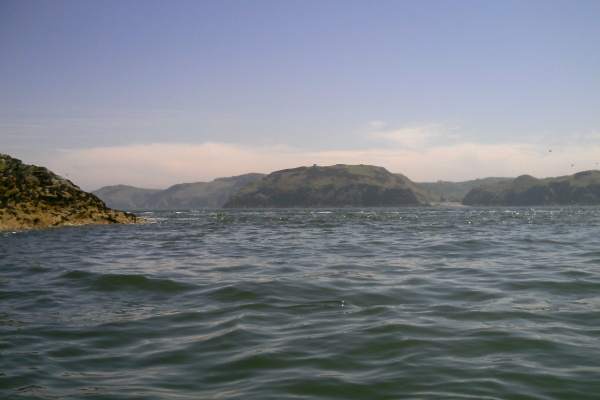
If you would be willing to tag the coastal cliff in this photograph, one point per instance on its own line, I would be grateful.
(34, 197)
(331, 186)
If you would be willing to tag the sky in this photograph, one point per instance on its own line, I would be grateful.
(154, 93)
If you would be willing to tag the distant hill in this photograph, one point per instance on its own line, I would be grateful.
(182, 196)
(125, 197)
(34, 197)
(582, 188)
(332, 186)
(455, 191)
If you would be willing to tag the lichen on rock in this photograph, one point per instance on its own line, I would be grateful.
(34, 197)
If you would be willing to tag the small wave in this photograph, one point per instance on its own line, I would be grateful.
(403, 304)
(117, 282)
(548, 287)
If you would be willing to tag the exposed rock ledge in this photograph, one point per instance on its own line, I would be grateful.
(33, 197)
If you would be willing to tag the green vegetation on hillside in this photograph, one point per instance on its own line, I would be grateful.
(332, 186)
(455, 191)
(197, 195)
(582, 188)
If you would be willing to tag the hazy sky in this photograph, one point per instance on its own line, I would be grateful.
(153, 93)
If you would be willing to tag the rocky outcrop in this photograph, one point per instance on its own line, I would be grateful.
(34, 197)
(582, 189)
(183, 196)
(332, 186)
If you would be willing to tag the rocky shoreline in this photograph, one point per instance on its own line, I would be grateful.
(33, 197)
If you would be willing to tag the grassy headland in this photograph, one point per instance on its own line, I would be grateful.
(332, 186)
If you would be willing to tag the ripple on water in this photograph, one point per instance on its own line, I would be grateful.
(306, 304)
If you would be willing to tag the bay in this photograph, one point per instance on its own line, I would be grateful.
(408, 303)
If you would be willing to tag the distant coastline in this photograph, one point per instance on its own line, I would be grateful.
(448, 204)
(582, 188)
(34, 197)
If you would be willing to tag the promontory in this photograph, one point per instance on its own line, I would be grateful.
(34, 197)
(331, 186)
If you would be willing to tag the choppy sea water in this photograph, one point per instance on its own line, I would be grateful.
(413, 303)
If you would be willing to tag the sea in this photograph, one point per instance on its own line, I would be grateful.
(375, 303)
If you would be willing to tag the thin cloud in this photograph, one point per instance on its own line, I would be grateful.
(160, 165)
(415, 136)
(376, 125)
